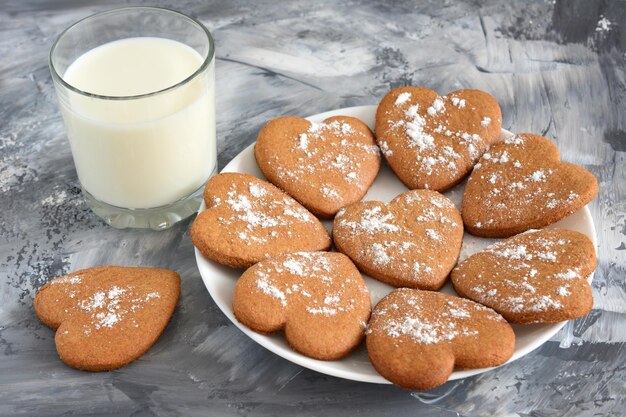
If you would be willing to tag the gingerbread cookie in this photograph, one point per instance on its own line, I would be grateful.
(318, 298)
(521, 184)
(432, 141)
(416, 338)
(536, 277)
(248, 219)
(413, 241)
(325, 166)
(108, 316)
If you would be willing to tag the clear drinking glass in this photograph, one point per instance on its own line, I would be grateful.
(142, 158)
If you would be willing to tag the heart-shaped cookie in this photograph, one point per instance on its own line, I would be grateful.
(536, 277)
(416, 338)
(432, 141)
(248, 219)
(318, 298)
(325, 166)
(106, 317)
(521, 184)
(413, 241)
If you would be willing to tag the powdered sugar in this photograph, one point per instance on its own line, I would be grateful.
(378, 251)
(514, 140)
(68, 279)
(372, 221)
(428, 320)
(271, 290)
(258, 219)
(385, 252)
(458, 102)
(517, 187)
(384, 148)
(238, 202)
(115, 292)
(106, 308)
(256, 190)
(322, 310)
(547, 256)
(258, 211)
(555, 202)
(303, 144)
(432, 234)
(313, 278)
(569, 274)
(420, 331)
(294, 266)
(563, 291)
(402, 98)
(456, 311)
(107, 319)
(330, 192)
(437, 107)
(424, 129)
(94, 302)
(537, 176)
(519, 268)
(543, 303)
(512, 252)
(415, 130)
(402, 240)
(420, 270)
(331, 153)
(449, 151)
(301, 215)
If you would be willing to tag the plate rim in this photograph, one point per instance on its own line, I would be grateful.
(325, 367)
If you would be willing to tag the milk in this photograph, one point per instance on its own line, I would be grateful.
(141, 152)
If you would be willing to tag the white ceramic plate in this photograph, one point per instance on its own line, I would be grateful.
(220, 280)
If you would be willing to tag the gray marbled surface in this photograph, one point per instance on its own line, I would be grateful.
(556, 67)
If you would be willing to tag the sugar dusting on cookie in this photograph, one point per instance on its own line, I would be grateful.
(335, 158)
(416, 338)
(107, 316)
(318, 299)
(106, 307)
(520, 184)
(410, 317)
(371, 221)
(312, 279)
(433, 141)
(109, 307)
(528, 189)
(249, 218)
(433, 158)
(529, 273)
(405, 239)
(68, 279)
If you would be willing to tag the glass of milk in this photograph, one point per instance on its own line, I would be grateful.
(136, 88)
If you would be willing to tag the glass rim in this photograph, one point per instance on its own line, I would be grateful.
(209, 58)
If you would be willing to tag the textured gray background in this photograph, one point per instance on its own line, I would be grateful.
(556, 67)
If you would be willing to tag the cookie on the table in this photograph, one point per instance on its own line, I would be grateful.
(536, 277)
(432, 141)
(325, 166)
(248, 219)
(416, 338)
(318, 298)
(413, 241)
(108, 316)
(521, 184)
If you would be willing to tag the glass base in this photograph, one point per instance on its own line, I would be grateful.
(157, 218)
